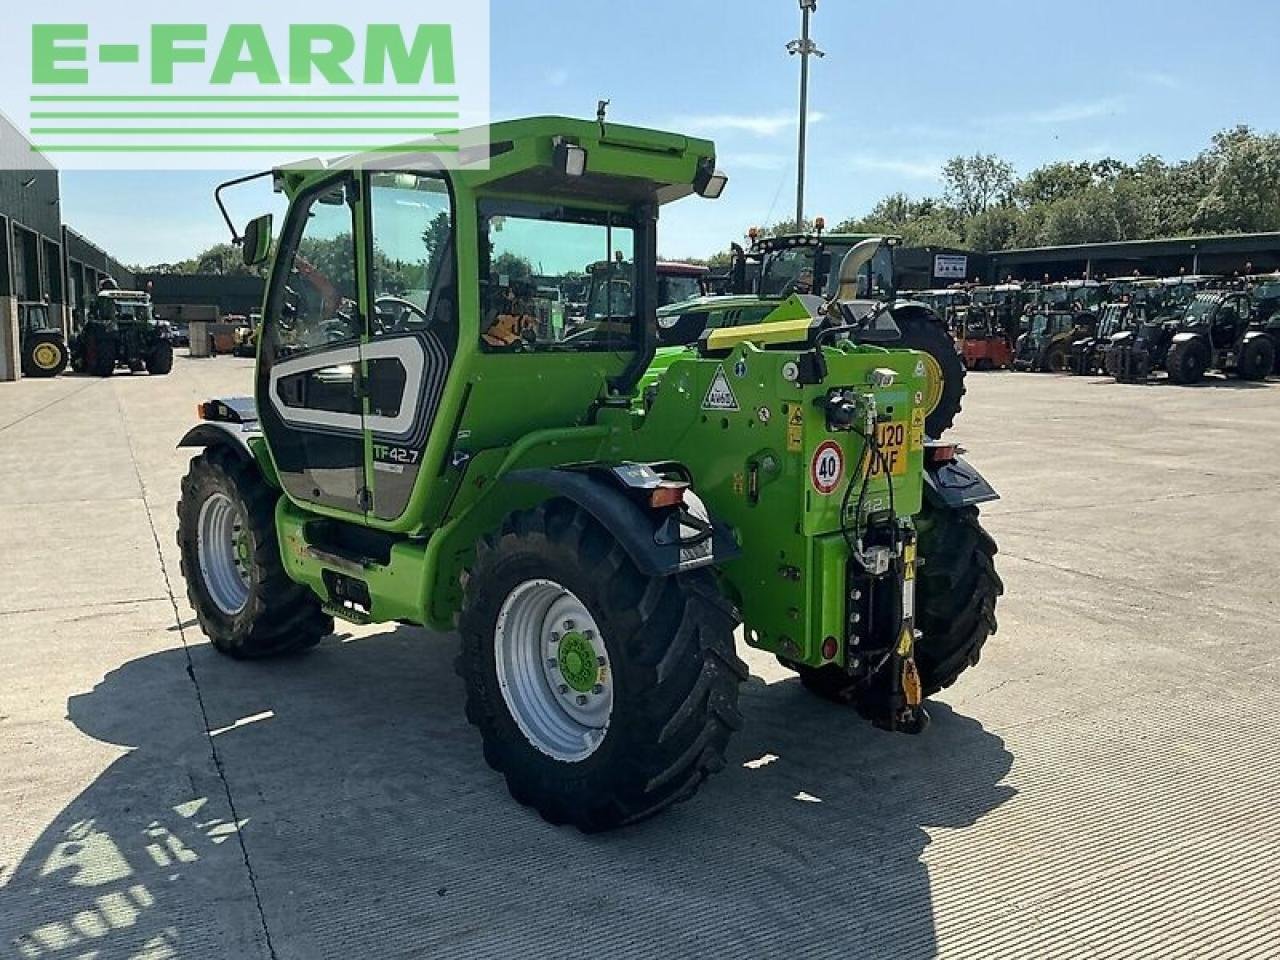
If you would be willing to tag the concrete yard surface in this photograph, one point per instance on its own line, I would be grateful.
(1104, 784)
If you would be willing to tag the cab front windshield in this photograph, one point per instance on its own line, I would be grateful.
(34, 317)
(676, 289)
(1199, 311)
(1112, 318)
(815, 269)
(125, 311)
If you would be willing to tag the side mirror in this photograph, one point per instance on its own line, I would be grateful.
(255, 245)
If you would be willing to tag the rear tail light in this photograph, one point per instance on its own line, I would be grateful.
(941, 453)
(669, 494)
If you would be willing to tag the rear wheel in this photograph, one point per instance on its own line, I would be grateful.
(246, 604)
(44, 355)
(1257, 357)
(1058, 360)
(602, 695)
(956, 591)
(160, 360)
(944, 366)
(1187, 361)
(99, 351)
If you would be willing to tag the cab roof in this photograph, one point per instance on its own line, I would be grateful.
(623, 163)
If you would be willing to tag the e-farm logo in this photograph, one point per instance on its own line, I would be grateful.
(278, 90)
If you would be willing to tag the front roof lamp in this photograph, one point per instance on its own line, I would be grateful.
(570, 159)
(710, 182)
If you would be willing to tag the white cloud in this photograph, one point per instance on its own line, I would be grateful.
(1074, 112)
(924, 170)
(760, 125)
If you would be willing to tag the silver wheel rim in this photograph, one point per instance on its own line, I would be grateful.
(550, 699)
(221, 544)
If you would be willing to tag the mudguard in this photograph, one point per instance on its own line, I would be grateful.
(234, 436)
(230, 422)
(659, 542)
(1184, 337)
(956, 484)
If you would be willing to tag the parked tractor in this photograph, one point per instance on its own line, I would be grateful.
(41, 345)
(807, 265)
(1047, 340)
(1215, 333)
(122, 331)
(593, 519)
(1006, 303)
(1091, 354)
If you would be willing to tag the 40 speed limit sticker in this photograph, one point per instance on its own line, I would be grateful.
(827, 468)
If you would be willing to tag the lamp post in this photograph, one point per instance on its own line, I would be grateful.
(804, 48)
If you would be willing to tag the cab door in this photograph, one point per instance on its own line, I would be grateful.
(413, 328)
(309, 387)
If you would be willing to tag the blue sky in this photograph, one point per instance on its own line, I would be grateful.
(904, 86)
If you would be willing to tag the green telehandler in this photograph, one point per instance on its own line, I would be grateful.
(594, 520)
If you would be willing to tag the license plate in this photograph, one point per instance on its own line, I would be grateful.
(893, 450)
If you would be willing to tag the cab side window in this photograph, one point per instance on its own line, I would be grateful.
(319, 306)
(413, 282)
(554, 278)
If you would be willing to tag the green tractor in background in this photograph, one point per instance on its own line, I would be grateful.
(594, 519)
(798, 271)
(41, 345)
(122, 331)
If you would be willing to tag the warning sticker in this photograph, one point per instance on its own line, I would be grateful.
(795, 430)
(827, 469)
(720, 394)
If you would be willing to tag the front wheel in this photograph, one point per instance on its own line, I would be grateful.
(1187, 361)
(1257, 357)
(602, 694)
(1057, 361)
(230, 557)
(99, 352)
(160, 360)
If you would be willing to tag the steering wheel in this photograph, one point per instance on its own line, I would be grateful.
(402, 307)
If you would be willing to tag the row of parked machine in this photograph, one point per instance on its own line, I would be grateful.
(1127, 329)
(121, 330)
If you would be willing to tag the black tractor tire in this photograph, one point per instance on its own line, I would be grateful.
(44, 354)
(1057, 360)
(99, 352)
(923, 332)
(136, 365)
(160, 360)
(671, 662)
(956, 592)
(280, 615)
(1257, 358)
(1187, 361)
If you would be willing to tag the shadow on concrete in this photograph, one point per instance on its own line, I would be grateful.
(1208, 383)
(373, 827)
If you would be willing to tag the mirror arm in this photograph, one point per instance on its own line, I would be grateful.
(236, 239)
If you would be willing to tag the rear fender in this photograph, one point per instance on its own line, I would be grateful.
(1184, 337)
(955, 485)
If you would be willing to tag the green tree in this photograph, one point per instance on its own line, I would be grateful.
(972, 184)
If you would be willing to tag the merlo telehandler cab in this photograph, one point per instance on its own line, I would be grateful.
(593, 519)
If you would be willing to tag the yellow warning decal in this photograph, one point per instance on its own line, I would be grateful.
(795, 431)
